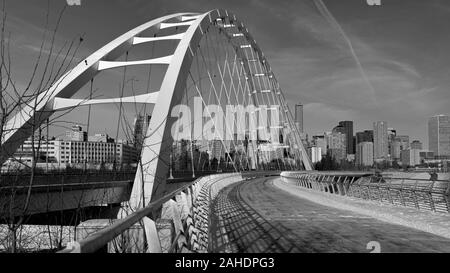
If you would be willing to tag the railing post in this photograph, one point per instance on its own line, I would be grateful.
(402, 200)
(389, 192)
(337, 186)
(430, 194)
(447, 196)
(330, 185)
(379, 191)
(321, 183)
(416, 203)
(344, 185)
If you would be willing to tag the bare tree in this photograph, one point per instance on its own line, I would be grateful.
(49, 66)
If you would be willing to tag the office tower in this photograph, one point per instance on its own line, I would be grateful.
(320, 142)
(100, 138)
(181, 155)
(380, 140)
(410, 157)
(217, 149)
(391, 133)
(315, 154)
(346, 127)
(138, 131)
(366, 136)
(76, 134)
(404, 140)
(439, 135)
(391, 136)
(416, 145)
(299, 117)
(337, 146)
(364, 154)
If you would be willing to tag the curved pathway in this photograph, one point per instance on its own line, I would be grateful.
(255, 216)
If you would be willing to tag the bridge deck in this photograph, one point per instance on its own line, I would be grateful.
(255, 216)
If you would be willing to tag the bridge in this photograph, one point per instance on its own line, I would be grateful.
(218, 96)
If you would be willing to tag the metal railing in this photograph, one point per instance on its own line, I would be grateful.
(415, 193)
(185, 209)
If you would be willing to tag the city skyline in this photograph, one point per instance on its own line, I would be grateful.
(311, 58)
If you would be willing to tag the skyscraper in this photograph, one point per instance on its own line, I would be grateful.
(321, 142)
(346, 127)
(366, 136)
(439, 135)
(299, 117)
(364, 154)
(336, 146)
(380, 140)
(76, 134)
(398, 144)
(391, 136)
(416, 145)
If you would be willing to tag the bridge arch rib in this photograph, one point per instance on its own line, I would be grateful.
(151, 174)
(171, 95)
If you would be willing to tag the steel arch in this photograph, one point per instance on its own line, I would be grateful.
(144, 187)
(151, 176)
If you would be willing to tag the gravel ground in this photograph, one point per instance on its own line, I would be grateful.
(435, 223)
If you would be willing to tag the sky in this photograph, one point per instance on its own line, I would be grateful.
(366, 63)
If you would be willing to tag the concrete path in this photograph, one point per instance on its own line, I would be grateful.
(255, 216)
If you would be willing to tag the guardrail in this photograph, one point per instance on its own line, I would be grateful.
(416, 193)
(186, 210)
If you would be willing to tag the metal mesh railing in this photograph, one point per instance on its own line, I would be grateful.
(415, 193)
(184, 218)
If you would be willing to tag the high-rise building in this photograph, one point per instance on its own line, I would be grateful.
(439, 135)
(217, 149)
(337, 146)
(398, 144)
(410, 157)
(364, 154)
(299, 117)
(366, 136)
(391, 136)
(76, 134)
(416, 145)
(315, 154)
(391, 133)
(380, 140)
(138, 130)
(320, 142)
(100, 138)
(346, 127)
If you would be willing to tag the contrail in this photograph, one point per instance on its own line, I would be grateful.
(334, 23)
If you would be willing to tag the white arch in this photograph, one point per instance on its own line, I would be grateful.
(150, 179)
(20, 126)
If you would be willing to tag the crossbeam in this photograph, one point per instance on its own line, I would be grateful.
(103, 65)
(140, 40)
(59, 104)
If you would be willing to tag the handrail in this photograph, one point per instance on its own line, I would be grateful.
(67, 185)
(432, 195)
(102, 237)
(105, 235)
